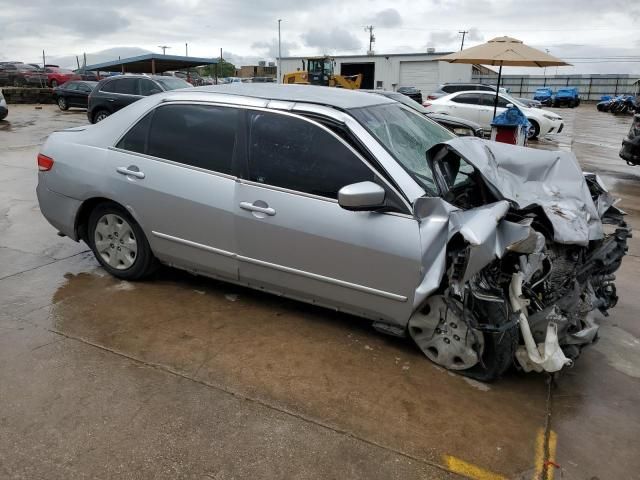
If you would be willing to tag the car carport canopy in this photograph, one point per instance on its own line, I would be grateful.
(151, 63)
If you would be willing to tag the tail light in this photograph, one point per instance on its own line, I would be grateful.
(44, 163)
(426, 104)
(431, 97)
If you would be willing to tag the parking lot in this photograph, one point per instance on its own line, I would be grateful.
(183, 376)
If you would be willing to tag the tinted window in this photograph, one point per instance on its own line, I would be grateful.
(291, 153)
(109, 86)
(126, 86)
(170, 83)
(485, 88)
(489, 100)
(136, 139)
(71, 86)
(197, 135)
(147, 87)
(467, 98)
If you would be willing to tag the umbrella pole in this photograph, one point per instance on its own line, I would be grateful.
(495, 101)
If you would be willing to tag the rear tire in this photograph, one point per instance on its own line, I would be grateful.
(100, 115)
(53, 84)
(118, 243)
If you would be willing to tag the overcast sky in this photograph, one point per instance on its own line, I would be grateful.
(576, 30)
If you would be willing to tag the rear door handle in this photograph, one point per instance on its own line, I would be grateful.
(130, 170)
(257, 208)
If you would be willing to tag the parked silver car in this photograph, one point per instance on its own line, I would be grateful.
(486, 254)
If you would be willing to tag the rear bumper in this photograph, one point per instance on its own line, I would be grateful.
(59, 210)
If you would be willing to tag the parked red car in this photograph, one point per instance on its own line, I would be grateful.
(57, 76)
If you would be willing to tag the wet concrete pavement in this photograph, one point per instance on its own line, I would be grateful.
(183, 376)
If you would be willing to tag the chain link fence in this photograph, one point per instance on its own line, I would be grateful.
(591, 87)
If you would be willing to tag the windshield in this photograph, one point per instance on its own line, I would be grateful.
(172, 83)
(407, 135)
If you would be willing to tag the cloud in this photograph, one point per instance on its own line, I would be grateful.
(387, 18)
(270, 49)
(336, 39)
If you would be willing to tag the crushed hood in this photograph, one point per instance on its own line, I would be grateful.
(527, 178)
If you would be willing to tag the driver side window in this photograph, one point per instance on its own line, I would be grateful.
(292, 153)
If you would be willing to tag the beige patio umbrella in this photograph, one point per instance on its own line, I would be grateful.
(504, 51)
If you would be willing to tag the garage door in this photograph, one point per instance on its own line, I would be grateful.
(422, 75)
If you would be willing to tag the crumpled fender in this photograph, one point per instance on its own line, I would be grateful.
(484, 229)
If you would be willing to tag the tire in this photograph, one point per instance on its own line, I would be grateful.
(571, 104)
(62, 104)
(118, 243)
(534, 131)
(497, 357)
(53, 83)
(100, 115)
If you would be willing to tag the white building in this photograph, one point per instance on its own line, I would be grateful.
(420, 70)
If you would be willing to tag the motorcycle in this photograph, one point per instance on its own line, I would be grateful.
(630, 151)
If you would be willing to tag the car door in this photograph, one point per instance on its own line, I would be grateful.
(70, 92)
(465, 105)
(173, 172)
(83, 95)
(294, 238)
(485, 111)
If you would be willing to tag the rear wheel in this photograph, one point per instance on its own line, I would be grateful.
(62, 103)
(119, 243)
(100, 115)
(54, 83)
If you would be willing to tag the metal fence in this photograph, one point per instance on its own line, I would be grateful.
(591, 87)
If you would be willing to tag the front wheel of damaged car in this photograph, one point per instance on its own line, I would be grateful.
(443, 332)
(118, 243)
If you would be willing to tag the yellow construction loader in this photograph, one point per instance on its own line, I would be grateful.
(319, 71)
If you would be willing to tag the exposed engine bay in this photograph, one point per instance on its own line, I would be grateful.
(531, 245)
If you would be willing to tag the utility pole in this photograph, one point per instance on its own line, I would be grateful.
(279, 64)
(186, 49)
(545, 68)
(164, 48)
(464, 33)
(372, 38)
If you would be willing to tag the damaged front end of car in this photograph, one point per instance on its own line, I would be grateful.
(520, 248)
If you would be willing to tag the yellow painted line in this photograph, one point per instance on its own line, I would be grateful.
(470, 470)
(539, 458)
(553, 442)
(541, 466)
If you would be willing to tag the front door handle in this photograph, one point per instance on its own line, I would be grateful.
(130, 170)
(256, 207)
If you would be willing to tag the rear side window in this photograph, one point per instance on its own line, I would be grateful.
(292, 153)
(201, 136)
(467, 98)
(136, 139)
(126, 86)
(108, 86)
(71, 86)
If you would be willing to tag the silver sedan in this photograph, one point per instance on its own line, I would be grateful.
(487, 255)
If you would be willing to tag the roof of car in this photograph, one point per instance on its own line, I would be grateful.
(334, 97)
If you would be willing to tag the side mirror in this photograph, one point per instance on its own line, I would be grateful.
(509, 105)
(361, 196)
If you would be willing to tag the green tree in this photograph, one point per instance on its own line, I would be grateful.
(225, 69)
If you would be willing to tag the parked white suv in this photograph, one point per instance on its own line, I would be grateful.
(477, 106)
